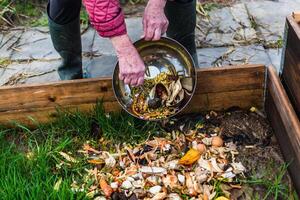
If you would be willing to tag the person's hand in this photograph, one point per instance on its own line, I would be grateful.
(155, 22)
(131, 65)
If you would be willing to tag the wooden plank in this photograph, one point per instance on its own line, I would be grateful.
(285, 124)
(217, 88)
(48, 114)
(291, 71)
(224, 100)
(296, 16)
(227, 79)
(85, 91)
(62, 93)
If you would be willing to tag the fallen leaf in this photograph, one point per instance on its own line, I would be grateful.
(107, 190)
(68, 157)
(57, 184)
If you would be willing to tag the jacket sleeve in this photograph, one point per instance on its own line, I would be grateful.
(106, 16)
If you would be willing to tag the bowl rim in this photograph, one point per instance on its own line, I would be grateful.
(136, 43)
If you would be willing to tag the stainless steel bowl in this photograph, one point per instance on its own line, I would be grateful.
(159, 56)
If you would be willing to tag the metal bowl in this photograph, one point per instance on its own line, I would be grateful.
(158, 56)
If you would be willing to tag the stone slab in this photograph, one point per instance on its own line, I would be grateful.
(7, 41)
(103, 46)
(240, 14)
(223, 20)
(226, 26)
(102, 66)
(207, 56)
(222, 56)
(34, 44)
(45, 71)
(253, 54)
(270, 16)
(45, 78)
(87, 40)
(275, 56)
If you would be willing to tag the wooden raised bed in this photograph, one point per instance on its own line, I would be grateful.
(291, 63)
(217, 89)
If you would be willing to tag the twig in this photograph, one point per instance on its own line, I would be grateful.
(41, 39)
(16, 78)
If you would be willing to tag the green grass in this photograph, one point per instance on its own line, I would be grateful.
(29, 158)
(84, 18)
(210, 6)
(274, 184)
(29, 173)
(42, 21)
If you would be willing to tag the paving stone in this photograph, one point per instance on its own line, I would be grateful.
(270, 16)
(253, 54)
(227, 26)
(245, 36)
(104, 46)
(45, 78)
(45, 71)
(240, 14)
(102, 66)
(207, 56)
(42, 29)
(218, 39)
(223, 20)
(87, 40)
(134, 28)
(275, 56)
(7, 39)
(222, 56)
(34, 45)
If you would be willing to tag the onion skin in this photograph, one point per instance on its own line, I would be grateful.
(107, 190)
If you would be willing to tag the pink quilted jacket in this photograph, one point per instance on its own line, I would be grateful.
(106, 16)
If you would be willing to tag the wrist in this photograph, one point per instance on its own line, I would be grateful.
(158, 4)
(121, 43)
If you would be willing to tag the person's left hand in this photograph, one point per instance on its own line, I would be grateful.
(155, 22)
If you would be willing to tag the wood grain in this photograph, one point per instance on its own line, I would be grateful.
(227, 79)
(30, 117)
(217, 89)
(285, 124)
(291, 71)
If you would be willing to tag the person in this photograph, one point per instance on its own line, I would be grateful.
(175, 17)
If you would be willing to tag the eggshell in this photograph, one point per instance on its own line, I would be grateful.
(217, 141)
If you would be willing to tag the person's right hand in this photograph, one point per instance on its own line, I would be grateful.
(131, 65)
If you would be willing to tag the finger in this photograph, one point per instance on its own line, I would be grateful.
(127, 80)
(144, 28)
(149, 32)
(134, 81)
(165, 28)
(157, 34)
(140, 81)
(121, 71)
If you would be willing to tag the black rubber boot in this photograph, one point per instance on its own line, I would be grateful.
(182, 22)
(66, 40)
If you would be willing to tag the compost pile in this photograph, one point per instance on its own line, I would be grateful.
(156, 169)
(196, 153)
(198, 157)
(161, 96)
